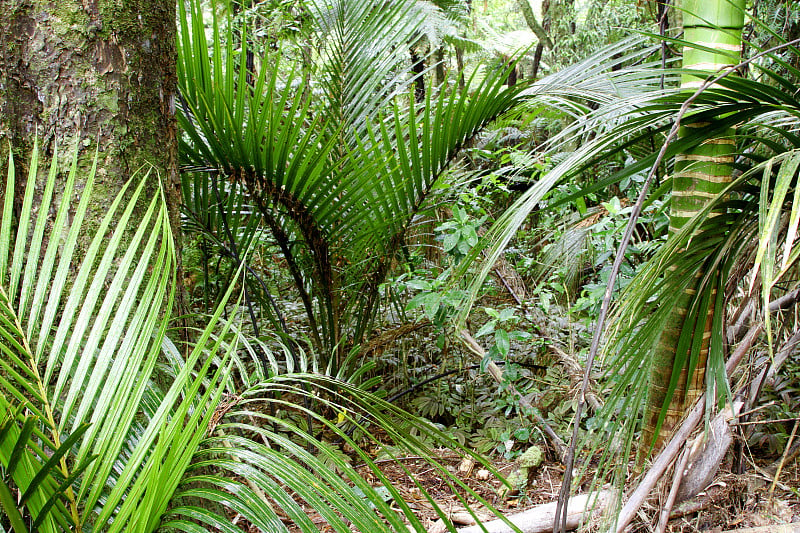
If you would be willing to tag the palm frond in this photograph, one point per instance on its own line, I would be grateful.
(84, 330)
(35, 473)
(364, 54)
(105, 443)
(336, 177)
(626, 112)
(272, 479)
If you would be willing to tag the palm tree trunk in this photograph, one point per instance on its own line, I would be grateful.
(700, 174)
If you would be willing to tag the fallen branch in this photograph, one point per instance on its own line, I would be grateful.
(458, 518)
(745, 313)
(677, 477)
(539, 519)
(788, 348)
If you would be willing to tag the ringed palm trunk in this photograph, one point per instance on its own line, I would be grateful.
(700, 174)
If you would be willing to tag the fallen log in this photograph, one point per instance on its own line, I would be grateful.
(539, 519)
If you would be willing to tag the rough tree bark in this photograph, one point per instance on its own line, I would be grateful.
(96, 72)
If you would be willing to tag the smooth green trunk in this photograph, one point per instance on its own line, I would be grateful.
(700, 174)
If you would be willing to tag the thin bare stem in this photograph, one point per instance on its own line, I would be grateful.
(677, 476)
(783, 459)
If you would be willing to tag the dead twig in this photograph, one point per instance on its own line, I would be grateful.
(786, 528)
(783, 459)
(713, 495)
(673, 491)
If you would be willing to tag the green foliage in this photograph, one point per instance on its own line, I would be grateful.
(500, 325)
(81, 352)
(603, 237)
(18, 450)
(781, 402)
(459, 235)
(435, 298)
(622, 128)
(338, 177)
(107, 424)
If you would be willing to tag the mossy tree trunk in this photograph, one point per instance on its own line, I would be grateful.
(96, 72)
(700, 174)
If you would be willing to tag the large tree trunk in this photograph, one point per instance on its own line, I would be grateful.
(96, 72)
(700, 174)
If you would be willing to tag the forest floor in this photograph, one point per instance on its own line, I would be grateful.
(732, 502)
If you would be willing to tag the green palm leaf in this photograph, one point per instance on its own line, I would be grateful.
(106, 423)
(82, 334)
(271, 478)
(335, 159)
(27, 467)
